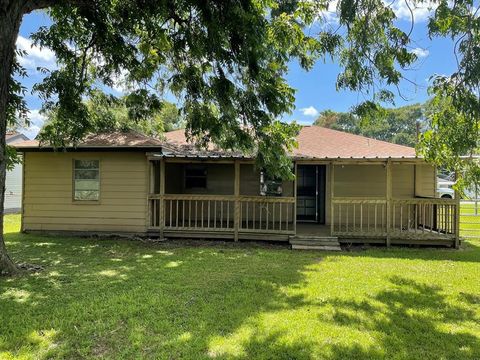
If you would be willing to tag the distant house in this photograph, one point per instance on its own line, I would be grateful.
(13, 181)
(348, 189)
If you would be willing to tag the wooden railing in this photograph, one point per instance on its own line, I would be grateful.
(406, 218)
(356, 217)
(414, 218)
(267, 214)
(257, 214)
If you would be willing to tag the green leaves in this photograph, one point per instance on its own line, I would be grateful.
(226, 63)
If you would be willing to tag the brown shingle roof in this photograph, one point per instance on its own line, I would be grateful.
(319, 142)
(315, 142)
(115, 139)
(180, 147)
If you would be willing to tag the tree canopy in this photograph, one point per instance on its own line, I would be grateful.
(109, 113)
(397, 125)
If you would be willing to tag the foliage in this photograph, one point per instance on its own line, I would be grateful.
(452, 141)
(109, 113)
(225, 61)
(397, 125)
(124, 299)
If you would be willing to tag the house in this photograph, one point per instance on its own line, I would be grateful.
(348, 189)
(13, 180)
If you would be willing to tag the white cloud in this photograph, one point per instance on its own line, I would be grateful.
(309, 111)
(36, 122)
(421, 53)
(36, 56)
(421, 11)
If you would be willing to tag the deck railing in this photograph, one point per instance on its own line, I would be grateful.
(222, 213)
(406, 218)
(267, 214)
(354, 216)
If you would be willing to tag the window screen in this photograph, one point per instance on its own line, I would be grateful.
(195, 177)
(86, 180)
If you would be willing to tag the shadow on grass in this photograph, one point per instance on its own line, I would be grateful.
(120, 299)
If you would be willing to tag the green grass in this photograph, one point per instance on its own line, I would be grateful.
(470, 225)
(122, 299)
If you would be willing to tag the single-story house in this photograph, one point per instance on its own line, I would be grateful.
(347, 189)
(13, 180)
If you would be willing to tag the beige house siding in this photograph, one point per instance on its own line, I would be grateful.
(360, 181)
(370, 181)
(425, 180)
(48, 199)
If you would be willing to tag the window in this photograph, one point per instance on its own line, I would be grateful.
(196, 177)
(269, 186)
(86, 180)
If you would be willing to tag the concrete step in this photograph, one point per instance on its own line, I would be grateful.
(329, 243)
(317, 247)
(314, 241)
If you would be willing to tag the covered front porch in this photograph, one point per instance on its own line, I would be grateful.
(355, 201)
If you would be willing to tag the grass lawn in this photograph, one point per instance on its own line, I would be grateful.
(123, 299)
(469, 222)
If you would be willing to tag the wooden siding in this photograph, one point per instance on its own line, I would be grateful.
(359, 180)
(370, 180)
(425, 180)
(403, 181)
(48, 200)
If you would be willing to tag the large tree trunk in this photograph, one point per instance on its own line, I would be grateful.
(11, 12)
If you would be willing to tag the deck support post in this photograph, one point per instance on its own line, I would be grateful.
(388, 195)
(332, 194)
(236, 220)
(457, 216)
(162, 198)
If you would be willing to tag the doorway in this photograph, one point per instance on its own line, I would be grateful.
(311, 193)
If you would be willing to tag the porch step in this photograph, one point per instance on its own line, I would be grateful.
(329, 243)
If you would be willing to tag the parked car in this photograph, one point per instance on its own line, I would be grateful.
(444, 189)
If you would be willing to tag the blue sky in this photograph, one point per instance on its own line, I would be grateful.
(315, 89)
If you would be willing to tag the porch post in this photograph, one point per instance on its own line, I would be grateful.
(389, 198)
(457, 216)
(236, 190)
(332, 194)
(162, 197)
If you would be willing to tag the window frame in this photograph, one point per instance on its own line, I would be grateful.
(190, 166)
(86, 201)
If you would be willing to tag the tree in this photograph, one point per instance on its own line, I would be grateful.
(225, 60)
(397, 125)
(108, 113)
(343, 121)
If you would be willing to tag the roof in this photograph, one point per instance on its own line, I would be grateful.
(13, 137)
(114, 139)
(314, 142)
(180, 147)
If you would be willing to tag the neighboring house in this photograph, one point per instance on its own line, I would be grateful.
(348, 189)
(13, 180)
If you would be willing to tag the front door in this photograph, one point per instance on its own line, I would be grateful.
(311, 193)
